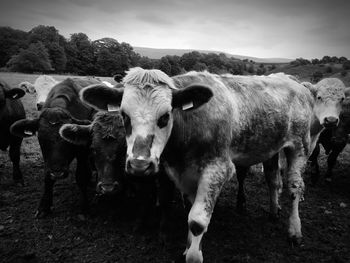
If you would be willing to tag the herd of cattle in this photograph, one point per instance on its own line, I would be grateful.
(197, 129)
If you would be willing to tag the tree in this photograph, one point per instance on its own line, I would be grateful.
(80, 55)
(34, 58)
(315, 61)
(52, 40)
(165, 66)
(346, 65)
(11, 41)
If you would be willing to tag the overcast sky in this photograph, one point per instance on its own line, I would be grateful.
(260, 28)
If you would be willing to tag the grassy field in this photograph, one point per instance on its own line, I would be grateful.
(107, 234)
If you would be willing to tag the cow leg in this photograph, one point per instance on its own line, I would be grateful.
(332, 159)
(212, 179)
(315, 173)
(15, 152)
(241, 172)
(274, 181)
(46, 200)
(296, 163)
(82, 177)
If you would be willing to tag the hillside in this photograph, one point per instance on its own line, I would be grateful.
(157, 53)
(305, 72)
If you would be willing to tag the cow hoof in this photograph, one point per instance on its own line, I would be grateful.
(296, 242)
(42, 213)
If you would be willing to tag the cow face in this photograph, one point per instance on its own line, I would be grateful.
(147, 103)
(329, 95)
(57, 152)
(106, 139)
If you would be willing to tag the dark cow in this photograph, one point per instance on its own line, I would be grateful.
(62, 106)
(200, 124)
(11, 110)
(333, 141)
(106, 138)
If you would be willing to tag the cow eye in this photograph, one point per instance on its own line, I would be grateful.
(342, 99)
(163, 120)
(319, 98)
(127, 123)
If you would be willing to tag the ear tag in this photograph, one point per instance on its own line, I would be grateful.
(28, 132)
(187, 106)
(15, 96)
(112, 107)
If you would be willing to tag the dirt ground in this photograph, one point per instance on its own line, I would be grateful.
(107, 235)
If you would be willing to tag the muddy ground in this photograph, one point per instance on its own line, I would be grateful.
(107, 235)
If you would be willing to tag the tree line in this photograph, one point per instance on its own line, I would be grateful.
(42, 49)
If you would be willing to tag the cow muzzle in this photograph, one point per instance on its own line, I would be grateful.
(137, 166)
(107, 188)
(330, 122)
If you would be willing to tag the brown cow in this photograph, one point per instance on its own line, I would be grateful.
(199, 124)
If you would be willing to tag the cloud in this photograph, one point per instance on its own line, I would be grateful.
(262, 28)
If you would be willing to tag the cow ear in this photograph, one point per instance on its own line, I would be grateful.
(101, 97)
(191, 97)
(14, 93)
(347, 92)
(310, 87)
(24, 128)
(76, 134)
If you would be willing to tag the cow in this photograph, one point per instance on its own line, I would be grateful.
(62, 106)
(106, 138)
(42, 86)
(333, 141)
(11, 110)
(201, 126)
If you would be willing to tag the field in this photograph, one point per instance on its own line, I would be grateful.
(107, 235)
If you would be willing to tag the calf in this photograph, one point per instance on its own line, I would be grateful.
(200, 124)
(106, 138)
(11, 110)
(62, 106)
(333, 141)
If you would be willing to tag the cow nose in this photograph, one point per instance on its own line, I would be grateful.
(330, 121)
(57, 175)
(139, 166)
(39, 106)
(107, 188)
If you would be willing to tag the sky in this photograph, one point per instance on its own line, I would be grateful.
(258, 28)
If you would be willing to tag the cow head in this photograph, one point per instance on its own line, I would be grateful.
(106, 139)
(7, 93)
(27, 86)
(329, 95)
(146, 102)
(57, 153)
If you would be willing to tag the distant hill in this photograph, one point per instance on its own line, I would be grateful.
(157, 53)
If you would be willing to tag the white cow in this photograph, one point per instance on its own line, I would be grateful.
(42, 86)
